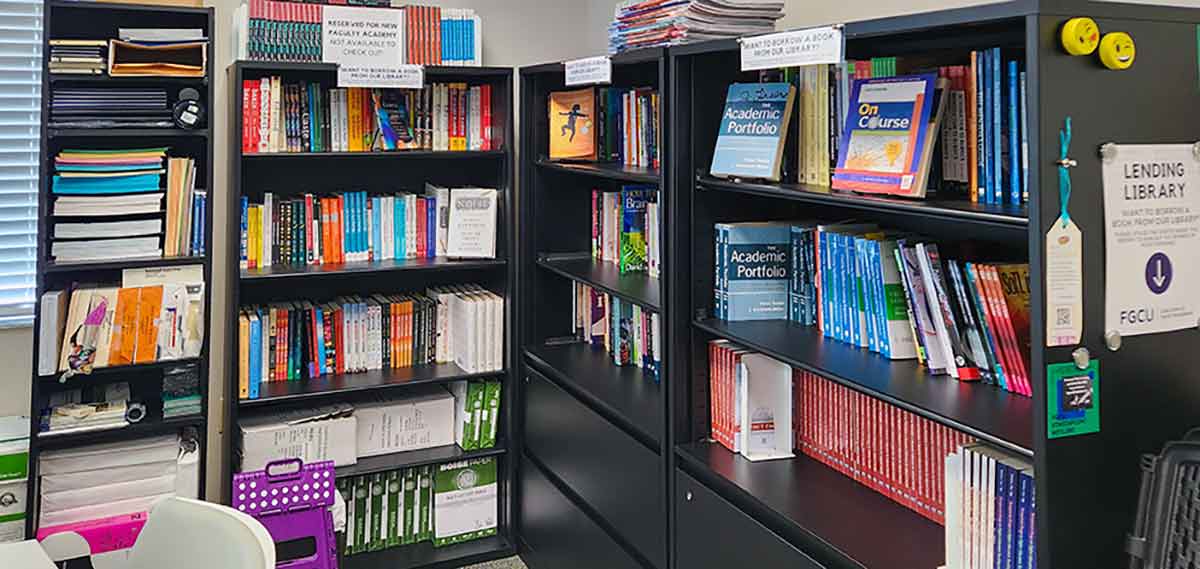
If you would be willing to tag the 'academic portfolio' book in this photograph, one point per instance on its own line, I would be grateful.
(754, 128)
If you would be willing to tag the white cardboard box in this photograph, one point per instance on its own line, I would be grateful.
(309, 435)
(424, 419)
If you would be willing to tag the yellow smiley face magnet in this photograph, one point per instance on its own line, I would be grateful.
(1080, 36)
(1117, 50)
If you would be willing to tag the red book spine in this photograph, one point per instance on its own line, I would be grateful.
(712, 371)
(313, 334)
(282, 345)
(726, 383)
(436, 26)
(339, 339)
(339, 229)
(422, 228)
(1014, 370)
(247, 121)
(308, 229)
(485, 103)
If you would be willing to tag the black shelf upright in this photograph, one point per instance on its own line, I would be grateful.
(593, 448)
(294, 174)
(81, 19)
(800, 513)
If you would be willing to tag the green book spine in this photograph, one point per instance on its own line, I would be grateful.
(475, 415)
(378, 512)
(425, 488)
(410, 500)
(492, 407)
(395, 493)
(360, 511)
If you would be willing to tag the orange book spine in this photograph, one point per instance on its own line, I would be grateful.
(124, 334)
(149, 306)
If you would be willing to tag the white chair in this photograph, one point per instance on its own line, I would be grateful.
(190, 534)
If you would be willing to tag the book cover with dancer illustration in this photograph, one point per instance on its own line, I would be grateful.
(572, 120)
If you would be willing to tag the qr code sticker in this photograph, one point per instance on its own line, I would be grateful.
(1063, 316)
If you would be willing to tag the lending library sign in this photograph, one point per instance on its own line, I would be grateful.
(367, 44)
(793, 49)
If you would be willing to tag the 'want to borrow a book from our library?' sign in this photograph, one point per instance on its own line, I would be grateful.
(367, 44)
(792, 49)
(588, 71)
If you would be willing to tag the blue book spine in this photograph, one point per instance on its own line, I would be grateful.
(718, 269)
(997, 128)
(795, 292)
(431, 225)
(827, 301)
(320, 332)
(1018, 526)
(255, 375)
(985, 125)
(810, 259)
(868, 314)
(363, 228)
(999, 555)
(857, 334)
(725, 272)
(980, 147)
(245, 222)
(1030, 525)
(1024, 142)
(845, 279)
(352, 216)
(376, 247)
(1014, 135)
(878, 303)
(194, 246)
(397, 225)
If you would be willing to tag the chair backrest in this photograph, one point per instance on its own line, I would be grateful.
(190, 534)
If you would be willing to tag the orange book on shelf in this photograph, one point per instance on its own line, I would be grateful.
(572, 120)
(148, 308)
(406, 333)
(124, 331)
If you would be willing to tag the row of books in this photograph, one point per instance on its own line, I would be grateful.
(627, 228)
(947, 127)
(870, 288)
(77, 57)
(270, 30)
(606, 124)
(420, 504)
(141, 322)
(355, 227)
(114, 202)
(641, 24)
(299, 340)
(109, 107)
(750, 401)
(991, 509)
(310, 117)
(883, 447)
(629, 333)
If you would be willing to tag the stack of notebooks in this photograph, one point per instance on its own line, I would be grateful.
(140, 107)
(98, 497)
(78, 57)
(654, 23)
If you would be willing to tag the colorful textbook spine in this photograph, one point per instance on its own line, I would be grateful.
(886, 127)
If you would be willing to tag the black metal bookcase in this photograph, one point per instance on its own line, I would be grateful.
(100, 20)
(294, 174)
(799, 513)
(592, 472)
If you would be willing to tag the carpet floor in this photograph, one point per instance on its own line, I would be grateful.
(509, 563)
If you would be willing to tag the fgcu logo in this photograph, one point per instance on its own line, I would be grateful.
(869, 117)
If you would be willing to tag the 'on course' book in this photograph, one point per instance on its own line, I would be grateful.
(884, 139)
(754, 128)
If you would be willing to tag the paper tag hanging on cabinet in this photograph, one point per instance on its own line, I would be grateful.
(1064, 284)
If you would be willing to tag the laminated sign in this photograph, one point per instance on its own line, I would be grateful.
(1151, 237)
(367, 44)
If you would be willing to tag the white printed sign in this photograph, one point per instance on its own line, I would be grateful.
(791, 49)
(589, 71)
(1151, 238)
(367, 45)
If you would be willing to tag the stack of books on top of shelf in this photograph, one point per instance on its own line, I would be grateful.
(355, 227)
(631, 334)
(608, 124)
(103, 493)
(78, 57)
(888, 292)
(626, 229)
(270, 30)
(309, 339)
(653, 23)
(310, 117)
(108, 205)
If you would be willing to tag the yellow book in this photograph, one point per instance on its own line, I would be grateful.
(572, 120)
(243, 356)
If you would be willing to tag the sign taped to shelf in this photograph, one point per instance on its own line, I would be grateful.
(1151, 237)
(367, 43)
(1072, 399)
(813, 46)
(589, 71)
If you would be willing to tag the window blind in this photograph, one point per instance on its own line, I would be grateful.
(20, 119)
